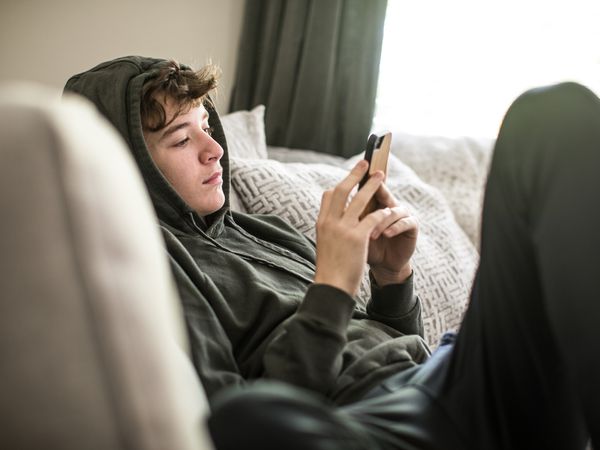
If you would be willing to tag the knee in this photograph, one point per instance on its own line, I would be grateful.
(554, 107)
(567, 89)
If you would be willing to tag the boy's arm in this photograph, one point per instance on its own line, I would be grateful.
(307, 349)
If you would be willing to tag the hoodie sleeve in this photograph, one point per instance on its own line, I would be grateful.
(320, 323)
(396, 306)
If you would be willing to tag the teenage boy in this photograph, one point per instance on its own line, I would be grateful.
(261, 302)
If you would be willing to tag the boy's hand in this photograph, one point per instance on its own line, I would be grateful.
(393, 241)
(343, 240)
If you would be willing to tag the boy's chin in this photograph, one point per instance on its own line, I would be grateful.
(211, 209)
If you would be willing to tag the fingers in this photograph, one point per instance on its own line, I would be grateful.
(334, 202)
(384, 197)
(408, 226)
(338, 203)
(325, 204)
(391, 222)
(364, 195)
(339, 195)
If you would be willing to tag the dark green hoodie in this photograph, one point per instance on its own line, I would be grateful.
(245, 281)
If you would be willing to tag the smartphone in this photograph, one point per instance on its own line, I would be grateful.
(376, 154)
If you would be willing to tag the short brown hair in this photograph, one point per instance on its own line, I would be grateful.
(186, 87)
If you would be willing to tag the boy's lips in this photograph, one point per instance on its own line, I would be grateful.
(215, 178)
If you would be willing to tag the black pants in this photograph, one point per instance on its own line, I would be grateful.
(524, 371)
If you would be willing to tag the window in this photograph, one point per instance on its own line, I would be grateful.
(453, 67)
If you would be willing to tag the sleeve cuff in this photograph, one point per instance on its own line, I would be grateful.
(329, 305)
(392, 300)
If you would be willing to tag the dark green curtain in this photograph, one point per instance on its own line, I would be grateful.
(315, 65)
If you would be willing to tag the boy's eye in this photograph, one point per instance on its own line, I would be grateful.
(182, 143)
(209, 130)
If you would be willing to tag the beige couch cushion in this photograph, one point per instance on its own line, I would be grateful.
(91, 337)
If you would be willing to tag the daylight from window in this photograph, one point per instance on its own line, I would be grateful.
(452, 68)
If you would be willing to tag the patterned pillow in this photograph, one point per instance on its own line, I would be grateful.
(444, 261)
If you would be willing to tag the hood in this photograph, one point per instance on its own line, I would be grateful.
(115, 87)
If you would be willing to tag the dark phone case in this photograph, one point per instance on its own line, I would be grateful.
(371, 145)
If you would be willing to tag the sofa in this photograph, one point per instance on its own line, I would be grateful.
(92, 343)
(94, 352)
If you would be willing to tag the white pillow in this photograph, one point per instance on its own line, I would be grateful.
(444, 261)
(245, 133)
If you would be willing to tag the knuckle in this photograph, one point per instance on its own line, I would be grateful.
(383, 213)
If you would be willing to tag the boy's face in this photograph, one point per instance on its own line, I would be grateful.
(189, 158)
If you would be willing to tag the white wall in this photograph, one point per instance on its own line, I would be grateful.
(49, 40)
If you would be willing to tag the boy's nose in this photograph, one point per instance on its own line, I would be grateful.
(212, 152)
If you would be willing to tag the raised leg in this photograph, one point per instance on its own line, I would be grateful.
(526, 366)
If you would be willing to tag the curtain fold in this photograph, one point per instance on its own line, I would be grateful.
(314, 64)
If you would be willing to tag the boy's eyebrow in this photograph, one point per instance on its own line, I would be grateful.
(173, 129)
(169, 131)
